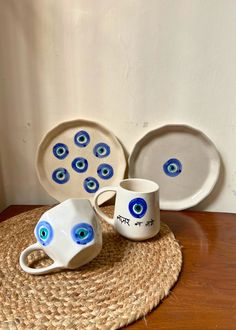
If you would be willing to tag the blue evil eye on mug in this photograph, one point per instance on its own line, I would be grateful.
(82, 139)
(60, 150)
(91, 185)
(44, 232)
(60, 175)
(101, 150)
(80, 164)
(172, 167)
(105, 171)
(82, 233)
(137, 207)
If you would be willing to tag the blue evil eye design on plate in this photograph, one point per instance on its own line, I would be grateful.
(44, 232)
(82, 139)
(80, 164)
(82, 233)
(60, 175)
(172, 167)
(105, 171)
(101, 150)
(60, 150)
(91, 185)
(137, 207)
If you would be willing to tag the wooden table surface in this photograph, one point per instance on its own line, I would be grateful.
(205, 295)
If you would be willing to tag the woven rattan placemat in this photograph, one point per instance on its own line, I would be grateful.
(125, 282)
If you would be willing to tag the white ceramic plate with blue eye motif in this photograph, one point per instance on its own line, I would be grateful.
(78, 157)
(182, 160)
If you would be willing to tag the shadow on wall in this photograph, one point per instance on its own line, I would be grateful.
(32, 82)
(20, 98)
(2, 192)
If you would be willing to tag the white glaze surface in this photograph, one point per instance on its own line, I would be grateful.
(127, 222)
(64, 133)
(62, 249)
(197, 154)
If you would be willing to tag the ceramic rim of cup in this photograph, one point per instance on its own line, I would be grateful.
(137, 185)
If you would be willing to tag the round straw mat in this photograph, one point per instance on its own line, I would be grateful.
(125, 282)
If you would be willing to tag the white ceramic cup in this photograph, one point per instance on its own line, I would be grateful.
(69, 233)
(137, 212)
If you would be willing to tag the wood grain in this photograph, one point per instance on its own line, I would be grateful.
(205, 295)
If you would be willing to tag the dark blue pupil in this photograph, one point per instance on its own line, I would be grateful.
(60, 151)
(81, 233)
(81, 138)
(105, 171)
(138, 207)
(80, 164)
(60, 175)
(43, 233)
(91, 184)
(101, 150)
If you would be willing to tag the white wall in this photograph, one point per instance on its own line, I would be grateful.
(132, 65)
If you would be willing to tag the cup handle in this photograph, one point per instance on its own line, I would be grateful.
(36, 271)
(109, 220)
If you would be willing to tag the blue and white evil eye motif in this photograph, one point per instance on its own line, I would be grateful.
(82, 233)
(101, 150)
(60, 150)
(137, 207)
(172, 167)
(82, 139)
(80, 164)
(91, 185)
(105, 171)
(60, 175)
(44, 233)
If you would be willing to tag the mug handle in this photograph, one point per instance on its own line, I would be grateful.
(36, 271)
(109, 220)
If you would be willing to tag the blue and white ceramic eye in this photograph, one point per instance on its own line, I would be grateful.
(82, 233)
(82, 139)
(172, 167)
(60, 175)
(60, 150)
(137, 207)
(80, 164)
(105, 171)
(44, 233)
(101, 150)
(91, 185)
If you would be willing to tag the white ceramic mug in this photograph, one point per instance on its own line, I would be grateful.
(69, 233)
(137, 212)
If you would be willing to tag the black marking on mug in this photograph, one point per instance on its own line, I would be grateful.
(123, 220)
(149, 223)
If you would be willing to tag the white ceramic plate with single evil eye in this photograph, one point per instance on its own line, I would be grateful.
(78, 157)
(182, 160)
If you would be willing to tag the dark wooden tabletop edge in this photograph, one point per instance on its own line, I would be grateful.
(12, 210)
(187, 212)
